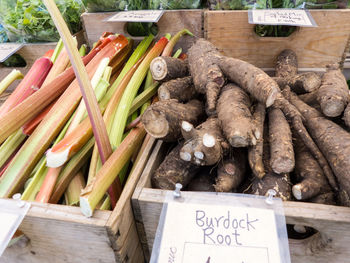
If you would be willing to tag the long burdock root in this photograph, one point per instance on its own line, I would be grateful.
(236, 118)
(231, 172)
(309, 174)
(181, 89)
(301, 83)
(173, 170)
(287, 74)
(251, 79)
(333, 95)
(255, 152)
(287, 64)
(163, 119)
(296, 119)
(208, 79)
(203, 181)
(167, 68)
(278, 182)
(204, 145)
(281, 145)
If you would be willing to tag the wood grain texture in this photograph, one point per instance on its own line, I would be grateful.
(330, 244)
(62, 234)
(315, 47)
(171, 22)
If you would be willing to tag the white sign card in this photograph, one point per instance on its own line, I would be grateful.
(12, 213)
(288, 17)
(8, 49)
(220, 233)
(137, 16)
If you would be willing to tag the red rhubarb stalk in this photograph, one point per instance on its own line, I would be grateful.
(30, 83)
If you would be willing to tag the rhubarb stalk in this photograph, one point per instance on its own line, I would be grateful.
(94, 192)
(170, 46)
(7, 81)
(38, 142)
(72, 193)
(30, 83)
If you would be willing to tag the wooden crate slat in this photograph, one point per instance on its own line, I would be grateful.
(315, 47)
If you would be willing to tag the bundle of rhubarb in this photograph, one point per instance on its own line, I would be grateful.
(239, 130)
(47, 148)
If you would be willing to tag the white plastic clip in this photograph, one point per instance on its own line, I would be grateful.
(126, 8)
(271, 193)
(177, 192)
(161, 6)
(17, 197)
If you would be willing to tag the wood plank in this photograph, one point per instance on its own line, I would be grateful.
(60, 233)
(171, 22)
(315, 47)
(333, 222)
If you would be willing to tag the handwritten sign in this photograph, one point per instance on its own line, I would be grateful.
(214, 233)
(8, 49)
(288, 17)
(137, 16)
(11, 215)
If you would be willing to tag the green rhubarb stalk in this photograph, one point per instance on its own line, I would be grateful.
(74, 188)
(94, 192)
(106, 204)
(70, 169)
(82, 50)
(125, 103)
(169, 48)
(7, 81)
(57, 50)
(19, 170)
(41, 170)
(143, 98)
(177, 53)
(10, 145)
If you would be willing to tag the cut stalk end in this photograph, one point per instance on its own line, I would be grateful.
(55, 160)
(208, 140)
(85, 207)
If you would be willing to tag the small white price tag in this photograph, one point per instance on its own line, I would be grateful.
(8, 49)
(12, 213)
(211, 233)
(288, 17)
(137, 16)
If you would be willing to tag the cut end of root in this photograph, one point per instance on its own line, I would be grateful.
(297, 192)
(199, 155)
(271, 98)
(156, 124)
(158, 68)
(208, 140)
(163, 94)
(282, 165)
(56, 159)
(185, 156)
(85, 207)
(332, 109)
(186, 126)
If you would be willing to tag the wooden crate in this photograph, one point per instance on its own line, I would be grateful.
(30, 53)
(315, 47)
(59, 233)
(171, 22)
(330, 244)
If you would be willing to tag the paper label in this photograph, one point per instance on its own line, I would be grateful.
(212, 233)
(137, 16)
(289, 17)
(8, 49)
(11, 216)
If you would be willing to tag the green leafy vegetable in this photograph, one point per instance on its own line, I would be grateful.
(174, 4)
(29, 20)
(114, 5)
